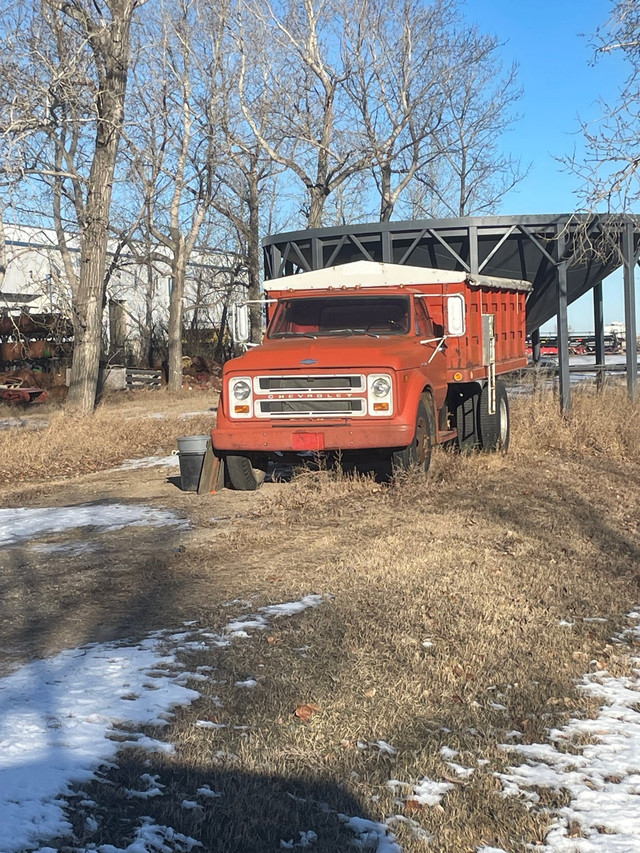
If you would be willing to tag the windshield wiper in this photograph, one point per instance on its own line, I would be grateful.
(294, 335)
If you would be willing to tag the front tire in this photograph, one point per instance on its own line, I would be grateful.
(246, 473)
(418, 453)
(495, 429)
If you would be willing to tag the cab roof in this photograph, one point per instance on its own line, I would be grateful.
(374, 274)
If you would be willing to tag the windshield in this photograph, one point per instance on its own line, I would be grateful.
(341, 315)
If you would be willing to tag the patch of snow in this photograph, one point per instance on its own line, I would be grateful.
(57, 721)
(62, 721)
(460, 771)
(248, 683)
(259, 621)
(199, 414)
(292, 607)
(601, 772)
(21, 524)
(447, 753)
(154, 788)
(23, 423)
(306, 840)
(151, 838)
(206, 791)
(90, 824)
(172, 461)
(430, 793)
(372, 835)
(385, 747)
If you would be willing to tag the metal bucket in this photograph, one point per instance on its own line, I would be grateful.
(191, 451)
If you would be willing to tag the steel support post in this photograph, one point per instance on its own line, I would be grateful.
(563, 327)
(474, 262)
(535, 345)
(387, 250)
(629, 255)
(598, 325)
(316, 254)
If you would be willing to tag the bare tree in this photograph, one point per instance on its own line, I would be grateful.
(297, 53)
(70, 107)
(609, 169)
(468, 172)
(400, 52)
(172, 145)
(105, 27)
(247, 175)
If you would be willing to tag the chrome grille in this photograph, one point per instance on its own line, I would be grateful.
(340, 382)
(323, 408)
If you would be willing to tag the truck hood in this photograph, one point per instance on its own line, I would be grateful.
(329, 353)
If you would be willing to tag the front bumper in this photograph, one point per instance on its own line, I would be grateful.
(297, 436)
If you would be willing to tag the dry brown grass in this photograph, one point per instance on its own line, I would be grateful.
(485, 558)
(600, 425)
(122, 427)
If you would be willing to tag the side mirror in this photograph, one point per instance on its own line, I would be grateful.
(455, 315)
(240, 323)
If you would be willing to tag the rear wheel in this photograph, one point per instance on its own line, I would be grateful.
(418, 453)
(467, 417)
(246, 473)
(495, 429)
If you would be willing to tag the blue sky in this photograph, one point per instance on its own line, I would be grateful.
(560, 85)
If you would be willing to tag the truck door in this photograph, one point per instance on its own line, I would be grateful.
(431, 335)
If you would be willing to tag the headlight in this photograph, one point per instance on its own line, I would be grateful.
(381, 387)
(241, 390)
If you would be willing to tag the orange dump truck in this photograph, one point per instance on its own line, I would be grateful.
(375, 363)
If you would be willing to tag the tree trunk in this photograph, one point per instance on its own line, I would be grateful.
(110, 46)
(253, 259)
(386, 200)
(318, 196)
(3, 253)
(146, 335)
(88, 302)
(175, 320)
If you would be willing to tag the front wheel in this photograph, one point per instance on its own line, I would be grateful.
(418, 453)
(246, 473)
(495, 429)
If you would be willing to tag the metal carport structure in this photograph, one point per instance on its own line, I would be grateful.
(562, 255)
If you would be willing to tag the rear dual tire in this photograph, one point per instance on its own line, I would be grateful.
(477, 428)
(495, 429)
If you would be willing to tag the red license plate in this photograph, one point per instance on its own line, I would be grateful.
(307, 441)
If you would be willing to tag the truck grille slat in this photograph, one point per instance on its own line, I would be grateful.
(346, 382)
(288, 408)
